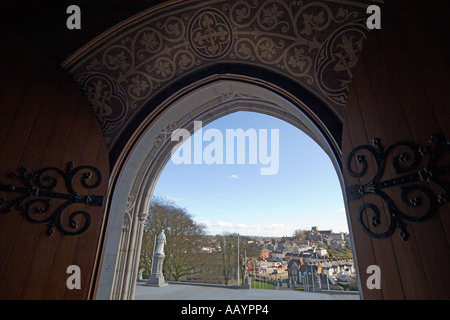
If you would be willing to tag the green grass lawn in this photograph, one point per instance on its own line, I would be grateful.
(262, 285)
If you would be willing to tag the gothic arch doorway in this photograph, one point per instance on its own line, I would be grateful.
(181, 61)
(135, 72)
(149, 151)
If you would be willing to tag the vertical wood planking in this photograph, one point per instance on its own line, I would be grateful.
(424, 106)
(84, 244)
(363, 246)
(17, 153)
(46, 246)
(395, 97)
(364, 122)
(65, 245)
(49, 124)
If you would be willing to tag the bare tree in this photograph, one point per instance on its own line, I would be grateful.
(228, 247)
(249, 254)
(301, 234)
(185, 239)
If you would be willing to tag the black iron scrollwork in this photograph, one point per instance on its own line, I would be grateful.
(419, 176)
(36, 191)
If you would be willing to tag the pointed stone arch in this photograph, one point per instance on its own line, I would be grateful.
(289, 59)
(152, 148)
(315, 45)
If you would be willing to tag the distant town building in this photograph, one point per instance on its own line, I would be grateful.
(263, 255)
(279, 256)
(321, 252)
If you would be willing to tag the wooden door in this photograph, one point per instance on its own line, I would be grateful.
(396, 154)
(53, 180)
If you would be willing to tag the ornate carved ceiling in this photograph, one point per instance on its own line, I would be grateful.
(314, 43)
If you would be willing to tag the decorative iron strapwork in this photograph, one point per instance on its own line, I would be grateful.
(419, 174)
(36, 192)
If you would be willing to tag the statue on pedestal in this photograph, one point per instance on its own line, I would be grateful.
(157, 277)
(161, 241)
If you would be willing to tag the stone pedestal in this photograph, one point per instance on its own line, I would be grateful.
(247, 284)
(157, 278)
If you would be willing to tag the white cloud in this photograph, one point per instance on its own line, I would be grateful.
(223, 224)
(169, 198)
(233, 177)
(269, 229)
(274, 226)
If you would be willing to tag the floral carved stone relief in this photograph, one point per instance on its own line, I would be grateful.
(210, 34)
(314, 43)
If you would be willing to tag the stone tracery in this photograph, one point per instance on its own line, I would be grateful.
(315, 43)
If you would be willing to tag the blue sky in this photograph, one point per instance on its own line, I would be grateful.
(304, 192)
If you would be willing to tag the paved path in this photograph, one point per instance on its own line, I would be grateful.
(174, 291)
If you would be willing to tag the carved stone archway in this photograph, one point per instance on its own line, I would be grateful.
(313, 44)
(303, 52)
(170, 65)
(152, 150)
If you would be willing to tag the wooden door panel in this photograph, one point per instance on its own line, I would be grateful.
(390, 99)
(48, 124)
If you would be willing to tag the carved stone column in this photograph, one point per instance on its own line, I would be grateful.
(123, 257)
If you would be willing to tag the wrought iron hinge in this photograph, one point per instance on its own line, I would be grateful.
(418, 184)
(37, 190)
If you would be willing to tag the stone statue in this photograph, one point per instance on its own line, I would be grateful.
(156, 277)
(161, 241)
